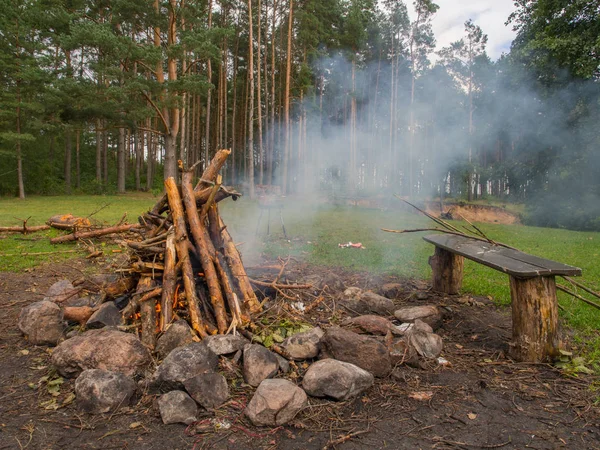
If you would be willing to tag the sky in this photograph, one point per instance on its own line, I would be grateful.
(490, 15)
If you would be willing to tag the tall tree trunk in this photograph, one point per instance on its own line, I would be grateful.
(250, 154)
(234, 107)
(121, 161)
(98, 152)
(271, 156)
(258, 104)
(288, 72)
(353, 180)
(77, 159)
(19, 156)
(68, 158)
(208, 97)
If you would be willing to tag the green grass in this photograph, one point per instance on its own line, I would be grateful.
(108, 210)
(314, 235)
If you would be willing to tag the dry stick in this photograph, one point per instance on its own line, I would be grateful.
(148, 315)
(586, 289)
(577, 296)
(133, 305)
(24, 229)
(151, 294)
(95, 233)
(200, 239)
(232, 254)
(435, 219)
(479, 232)
(38, 253)
(232, 299)
(184, 256)
(169, 282)
(342, 439)
(280, 286)
(211, 197)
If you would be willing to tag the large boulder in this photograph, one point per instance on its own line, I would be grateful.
(275, 403)
(303, 345)
(183, 363)
(107, 349)
(210, 390)
(177, 407)
(429, 314)
(357, 301)
(259, 364)
(362, 351)
(107, 315)
(60, 291)
(225, 344)
(100, 391)
(42, 323)
(336, 379)
(178, 334)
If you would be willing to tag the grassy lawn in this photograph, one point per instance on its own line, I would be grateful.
(314, 234)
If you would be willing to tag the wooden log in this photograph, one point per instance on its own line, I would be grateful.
(148, 315)
(213, 169)
(118, 287)
(169, 282)
(234, 259)
(447, 270)
(206, 257)
(79, 314)
(68, 222)
(95, 233)
(24, 229)
(183, 255)
(214, 226)
(535, 319)
(134, 302)
(238, 317)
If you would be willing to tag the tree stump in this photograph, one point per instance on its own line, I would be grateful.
(535, 319)
(447, 271)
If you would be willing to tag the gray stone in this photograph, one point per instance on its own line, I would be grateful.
(107, 315)
(365, 302)
(275, 403)
(106, 349)
(177, 407)
(362, 351)
(303, 345)
(427, 345)
(371, 324)
(284, 364)
(100, 391)
(391, 290)
(419, 325)
(225, 344)
(429, 314)
(42, 323)
(178, 334)
(259, 364)
(210, 390)
(181, 364)
(59, 291)
(336, 379)
(91, 300)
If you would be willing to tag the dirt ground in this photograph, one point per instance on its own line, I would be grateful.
(482, 400)
(475, 213)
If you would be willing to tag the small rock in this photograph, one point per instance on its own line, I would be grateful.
(59, 291)
(284, 364)
(225, 344)
(391, 290)
(178, 334)
(181, 364)
(422, 295)
(210, 390)
(419, 325)
(100, 391)
(275, 403)
(429, 314)
(91, 300)
(106, 349)
(177, 407)
(303, 345)
(365, 302)
(427, 345)
(259, 364)
(362, 351)
(42, 323)
(371, 324)
(336, 379)
(107, 315)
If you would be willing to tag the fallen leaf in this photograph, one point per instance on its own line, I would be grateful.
(135, 425)
(421, 396)
(68, 399)
(24, 352)
(458, 346)
(472, 416)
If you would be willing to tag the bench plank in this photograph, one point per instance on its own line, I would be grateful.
(512, 262)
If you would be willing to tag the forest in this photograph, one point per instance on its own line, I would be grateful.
(335, 98)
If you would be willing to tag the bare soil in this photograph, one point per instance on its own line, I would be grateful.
(475, 213)
(482, 400)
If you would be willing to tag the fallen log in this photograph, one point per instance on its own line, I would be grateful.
(94, 234)
(148, 315)
(24, 229)
(69, 222)
(79, 314)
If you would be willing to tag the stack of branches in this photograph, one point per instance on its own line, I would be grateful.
(187, 263)
(474, 232)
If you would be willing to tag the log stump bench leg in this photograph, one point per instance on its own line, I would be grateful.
(535, 319)
(447, 271)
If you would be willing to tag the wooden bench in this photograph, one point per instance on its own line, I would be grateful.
(532, 288)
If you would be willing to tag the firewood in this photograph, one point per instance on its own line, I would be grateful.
(237, 317)
(148, 314)
(69, 222)
(183, 255)
(79, 314)
(211, 172)
(24, 229)
(169, 282)
(95, 233)
(201, 241)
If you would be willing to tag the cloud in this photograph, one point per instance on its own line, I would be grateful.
(490, 15)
